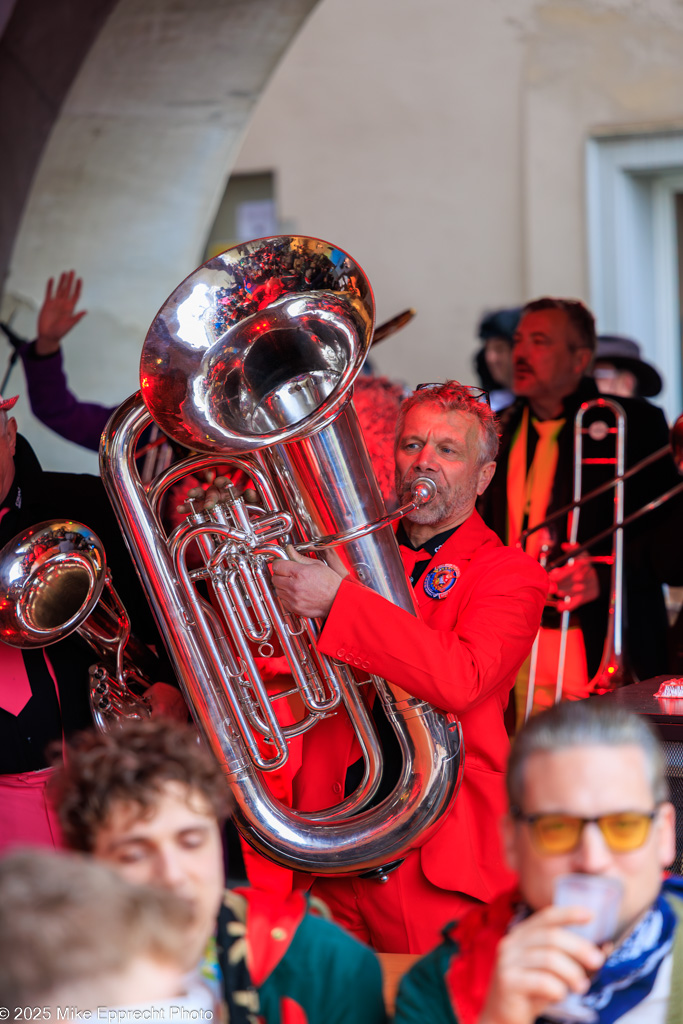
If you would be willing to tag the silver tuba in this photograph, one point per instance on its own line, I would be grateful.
(251, 362)
(55, 581)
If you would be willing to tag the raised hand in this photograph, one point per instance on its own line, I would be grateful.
(57, 314)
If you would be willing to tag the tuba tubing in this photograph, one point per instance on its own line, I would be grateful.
(364, 727)
(325, 842)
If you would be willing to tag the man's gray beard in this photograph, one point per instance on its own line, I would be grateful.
(430, 515)
(444, 506)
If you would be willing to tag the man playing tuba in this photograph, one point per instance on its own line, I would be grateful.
(479, 608)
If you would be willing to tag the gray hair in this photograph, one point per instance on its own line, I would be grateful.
(451, 396)
(586, 723)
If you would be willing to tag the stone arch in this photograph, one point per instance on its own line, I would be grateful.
(133, 170)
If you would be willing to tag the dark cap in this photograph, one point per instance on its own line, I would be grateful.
(500, 323)
(624, 353)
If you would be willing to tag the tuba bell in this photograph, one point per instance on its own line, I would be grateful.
(251, 362)
(55, 581)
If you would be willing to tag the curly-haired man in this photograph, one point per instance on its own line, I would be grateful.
(148, 799)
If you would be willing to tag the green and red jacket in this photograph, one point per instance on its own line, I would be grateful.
(450, 984)
(282, 963)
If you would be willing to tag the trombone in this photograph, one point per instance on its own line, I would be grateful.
(614, 670)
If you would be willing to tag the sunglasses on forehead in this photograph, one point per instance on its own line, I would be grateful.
(554, 834)
(478, 394)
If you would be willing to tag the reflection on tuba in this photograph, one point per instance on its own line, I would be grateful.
(251, 362)
(54, 580)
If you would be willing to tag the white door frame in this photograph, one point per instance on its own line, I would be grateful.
(631, 184)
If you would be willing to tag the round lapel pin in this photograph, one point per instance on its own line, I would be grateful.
(440, 580)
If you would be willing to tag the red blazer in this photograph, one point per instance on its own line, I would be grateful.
(462, 654)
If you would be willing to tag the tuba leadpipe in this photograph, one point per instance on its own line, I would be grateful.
(251, 362)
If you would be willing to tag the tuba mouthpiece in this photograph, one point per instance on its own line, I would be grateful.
(423, 490)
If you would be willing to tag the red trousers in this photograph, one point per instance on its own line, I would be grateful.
(404, 914)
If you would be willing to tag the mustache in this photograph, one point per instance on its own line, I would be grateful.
(412, 475)
(521, 364)
(404, 485)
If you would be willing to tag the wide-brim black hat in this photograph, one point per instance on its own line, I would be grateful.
(624, 353)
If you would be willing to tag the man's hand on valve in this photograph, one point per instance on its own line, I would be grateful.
(573, 585)
(306, 586)
(539, 962)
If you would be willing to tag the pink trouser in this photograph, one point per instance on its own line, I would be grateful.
(27, 818)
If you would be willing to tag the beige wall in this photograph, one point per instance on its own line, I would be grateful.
(443, 145)
(442, 142)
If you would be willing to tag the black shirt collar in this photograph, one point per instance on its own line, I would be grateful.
(431, 546)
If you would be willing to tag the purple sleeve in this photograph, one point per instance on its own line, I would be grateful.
(57, 407)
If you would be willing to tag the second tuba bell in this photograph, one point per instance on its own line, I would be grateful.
(55, 581)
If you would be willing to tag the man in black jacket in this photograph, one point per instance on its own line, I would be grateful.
(44, 691)
(552, 355)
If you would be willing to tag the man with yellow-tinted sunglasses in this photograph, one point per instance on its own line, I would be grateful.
(588, 799)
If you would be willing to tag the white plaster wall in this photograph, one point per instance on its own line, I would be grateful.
(132, 175)
(588, 65)
(442, 144)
